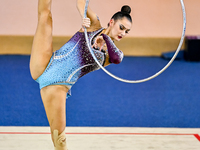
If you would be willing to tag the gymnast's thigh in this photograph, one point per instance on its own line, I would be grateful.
(42, 48)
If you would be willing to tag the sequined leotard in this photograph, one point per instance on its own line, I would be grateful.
(71, 61)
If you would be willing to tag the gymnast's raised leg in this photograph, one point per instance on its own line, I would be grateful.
(53, 96)
(42, 47)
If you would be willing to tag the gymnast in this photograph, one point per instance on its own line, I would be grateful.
(56, 72)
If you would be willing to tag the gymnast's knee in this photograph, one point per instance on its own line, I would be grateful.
(59, 140)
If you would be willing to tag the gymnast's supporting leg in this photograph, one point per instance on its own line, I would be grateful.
(54, 100)
(53, 97)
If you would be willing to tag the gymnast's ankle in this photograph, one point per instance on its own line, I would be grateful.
(59, 140)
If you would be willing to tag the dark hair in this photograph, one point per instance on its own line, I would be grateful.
(125, 12)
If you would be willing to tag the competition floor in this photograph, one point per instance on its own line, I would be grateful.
(95, 138)
(165, 109)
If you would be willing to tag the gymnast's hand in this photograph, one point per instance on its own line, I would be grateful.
(86, 23)
(99, 43)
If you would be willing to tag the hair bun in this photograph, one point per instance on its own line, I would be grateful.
(126, 9)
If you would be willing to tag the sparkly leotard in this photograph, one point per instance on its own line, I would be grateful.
(71, 61)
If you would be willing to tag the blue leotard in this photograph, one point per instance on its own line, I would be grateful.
(72, 61)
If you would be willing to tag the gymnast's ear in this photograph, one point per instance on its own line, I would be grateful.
(111, 23)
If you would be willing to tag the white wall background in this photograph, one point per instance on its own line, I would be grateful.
(151, 18)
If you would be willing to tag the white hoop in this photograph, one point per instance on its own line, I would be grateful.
(153, 76)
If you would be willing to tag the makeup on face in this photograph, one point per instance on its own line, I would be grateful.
(119, 29)
(123, 31)
(122, 27)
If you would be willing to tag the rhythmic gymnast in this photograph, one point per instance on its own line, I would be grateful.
(56, 72)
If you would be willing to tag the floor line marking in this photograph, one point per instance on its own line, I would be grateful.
(84, 133)
(197, 136)
(99, 133)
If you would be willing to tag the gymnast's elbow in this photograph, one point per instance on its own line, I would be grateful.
(116, 60)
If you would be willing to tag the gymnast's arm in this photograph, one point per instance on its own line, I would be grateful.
(115, 55)
(95, 23)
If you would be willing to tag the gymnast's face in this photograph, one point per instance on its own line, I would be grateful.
(119, 28)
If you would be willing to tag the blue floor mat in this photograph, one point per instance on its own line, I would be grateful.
(169, 100)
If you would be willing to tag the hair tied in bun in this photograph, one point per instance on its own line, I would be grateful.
(126, 9)
(125, 12)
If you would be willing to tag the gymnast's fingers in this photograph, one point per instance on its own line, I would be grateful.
(86, 22)
(95, 45)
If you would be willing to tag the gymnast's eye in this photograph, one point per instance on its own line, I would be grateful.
(121, 27)
(127, 31)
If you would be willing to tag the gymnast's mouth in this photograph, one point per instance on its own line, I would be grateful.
(119, 37)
